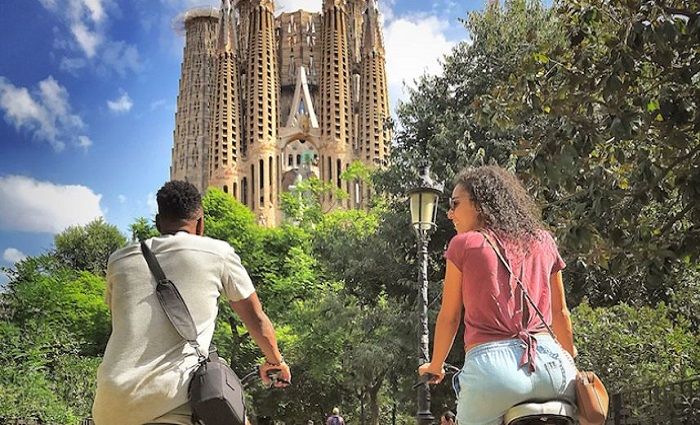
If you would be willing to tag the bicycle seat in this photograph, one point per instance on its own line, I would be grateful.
(550, 412)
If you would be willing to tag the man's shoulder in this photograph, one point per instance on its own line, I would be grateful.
(124, 252)
(203, 243)
(172, 243)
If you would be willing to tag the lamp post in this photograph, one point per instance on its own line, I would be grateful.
(423, 201)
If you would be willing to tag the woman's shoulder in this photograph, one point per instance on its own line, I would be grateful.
(470, 239)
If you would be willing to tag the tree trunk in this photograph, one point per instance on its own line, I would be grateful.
(374, 402)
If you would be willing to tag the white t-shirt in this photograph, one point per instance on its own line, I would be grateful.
(147, 365)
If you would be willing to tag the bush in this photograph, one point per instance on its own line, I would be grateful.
(631, 347)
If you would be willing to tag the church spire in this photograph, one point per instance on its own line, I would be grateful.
(228, 40)
(372, 39)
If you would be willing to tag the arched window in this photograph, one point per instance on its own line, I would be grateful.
(261, 180)
(244, 188)
(339, 169)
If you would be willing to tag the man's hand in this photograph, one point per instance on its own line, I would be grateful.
(284, 377)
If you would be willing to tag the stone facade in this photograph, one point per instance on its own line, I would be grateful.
(266, 101)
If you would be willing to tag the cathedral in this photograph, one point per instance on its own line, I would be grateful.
(266, 101)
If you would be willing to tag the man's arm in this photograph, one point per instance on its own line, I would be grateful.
(260, 328)
(258, 324)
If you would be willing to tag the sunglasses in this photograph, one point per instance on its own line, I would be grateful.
(454, 202)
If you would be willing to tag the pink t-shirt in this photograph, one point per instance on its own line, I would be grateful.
(492, 302)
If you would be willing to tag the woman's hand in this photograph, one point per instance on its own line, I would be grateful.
(437, 370)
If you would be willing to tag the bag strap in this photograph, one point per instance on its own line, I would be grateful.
(171, 301)
(519, 283)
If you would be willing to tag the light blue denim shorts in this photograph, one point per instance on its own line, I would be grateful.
(491, 382)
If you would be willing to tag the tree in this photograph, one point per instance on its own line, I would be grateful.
(142, 229)
(53, 327)
(635, 347)
(88, 247)
(609, 127)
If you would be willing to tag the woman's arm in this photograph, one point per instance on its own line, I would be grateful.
(561, 319)
(447, 322)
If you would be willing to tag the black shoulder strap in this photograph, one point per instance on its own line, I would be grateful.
(170, 299)
(519, 282)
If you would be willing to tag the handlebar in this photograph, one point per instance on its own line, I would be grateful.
(424, 379)
(254, 375)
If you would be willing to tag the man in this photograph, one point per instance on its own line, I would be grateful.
(448, 418)
(335, 418)
(147, 365)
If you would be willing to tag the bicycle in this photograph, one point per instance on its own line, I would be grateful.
(530, 412)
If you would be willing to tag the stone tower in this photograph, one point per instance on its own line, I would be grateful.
(190, 154)
(373, 136)
(224, 150)
(268, 101)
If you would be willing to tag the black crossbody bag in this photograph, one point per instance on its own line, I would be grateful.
(215, 392)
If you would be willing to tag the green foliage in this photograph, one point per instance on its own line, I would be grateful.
(88, 247)
(142, 229)
(65, 299)
(618, 99)
(42, 375)
(593, 104)
(632, 347)
(227, 219)
(53, 327)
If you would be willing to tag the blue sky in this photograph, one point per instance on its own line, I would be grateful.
(87, 103)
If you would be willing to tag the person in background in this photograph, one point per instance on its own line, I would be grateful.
(335, 418)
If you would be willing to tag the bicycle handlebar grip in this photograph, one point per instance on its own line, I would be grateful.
(275, 377)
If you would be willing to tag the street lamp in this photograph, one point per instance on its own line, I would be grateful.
(423, 199)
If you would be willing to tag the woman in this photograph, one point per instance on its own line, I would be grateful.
(510, 356)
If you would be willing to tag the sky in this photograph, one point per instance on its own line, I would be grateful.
(88, 90)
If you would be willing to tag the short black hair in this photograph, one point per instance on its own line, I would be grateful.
(178, 200)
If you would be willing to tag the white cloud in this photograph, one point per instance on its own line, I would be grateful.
(87, 23)
(13, 255)
(120, 105)
(294, 5)
(46, 113)
(71, 65)
(36, 206)
(84, 142)
(122, 199)
(158, 104)
(97, 12)
(87, 39)
(119, 57)
(152, 203)
(186, 4)
(414, 46)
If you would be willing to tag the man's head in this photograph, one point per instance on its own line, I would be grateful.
(336, 411)
(447, 418)
(179, 208)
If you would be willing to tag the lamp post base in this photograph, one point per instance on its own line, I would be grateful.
(425, 418)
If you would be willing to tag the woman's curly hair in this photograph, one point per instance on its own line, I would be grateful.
(503, 203)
